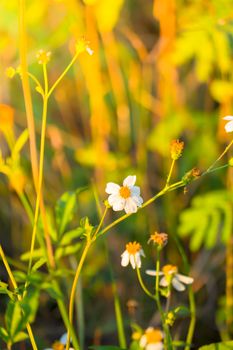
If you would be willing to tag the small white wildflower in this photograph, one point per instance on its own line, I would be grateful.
(60, 345)
(170, 276)
(132, 254)
(152, 339)
(125, 197)
(229, 125)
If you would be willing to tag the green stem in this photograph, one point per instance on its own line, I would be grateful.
(220, 157)
(170, 172)
(62, 75)
(15, 286)
(143, 285)
(26, 206)
(192, 304)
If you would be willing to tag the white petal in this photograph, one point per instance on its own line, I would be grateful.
(138, 200)
(184, 279)
(138, 260)
(125, 258)
(116, 202)
(63, 339)
(135, 191)
(130, 206)
(141, 252)
(163, 282)
(228, 117)
(112, 188)
(154, 273)
(89, 51)
(177, 285)
(129, 181)
(143, 341)
(132, 261)
(229, 126)
(154, 346)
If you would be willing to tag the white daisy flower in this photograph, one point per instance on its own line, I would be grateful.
(125, 197)
(152, 339)
(171, 276)
(132, 255)
(229, 125)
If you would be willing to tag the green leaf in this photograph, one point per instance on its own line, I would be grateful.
(20, 336)
(30, 304)
(68, 250)
(19, 144)
(39, 263)
(4, 335)
(37, 253)
(68, 237)
(4, 290)
(64, 211)
(52, 290)
(208, 220)
(15, 321)
(218, 346)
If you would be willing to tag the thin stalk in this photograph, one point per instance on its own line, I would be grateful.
(220, 157)
(158, 302)
(15, 286)
(62, 75)
(170, 172)
(73, 289)
(152, 296)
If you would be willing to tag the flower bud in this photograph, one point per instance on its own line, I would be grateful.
(176, 149)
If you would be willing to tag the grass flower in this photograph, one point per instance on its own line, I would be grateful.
(152, 339)
(125, 197)
(229, 125)
(132, 254)
(171, 276)
(43, 57)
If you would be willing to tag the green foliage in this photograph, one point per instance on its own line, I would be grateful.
(208, 220)
(64, 211)
(218, 346)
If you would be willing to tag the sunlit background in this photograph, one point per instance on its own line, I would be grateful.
(161, 70)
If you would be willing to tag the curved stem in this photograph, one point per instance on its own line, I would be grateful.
(15, 286)
(143, 285)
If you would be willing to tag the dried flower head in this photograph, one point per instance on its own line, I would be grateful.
(191, 175)
(160, 239)
(43, 57)
(176, 149)
(82, 45)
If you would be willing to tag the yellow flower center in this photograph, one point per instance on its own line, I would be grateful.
(169, 269)
(158, 238)
(125, 192)
(58, 346)
(153, 336)
(133, 247)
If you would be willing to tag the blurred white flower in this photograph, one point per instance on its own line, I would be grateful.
(171, 276)
(132, 255)
(125, 197)
(60, 345)
(229, 125)
(152, 339)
